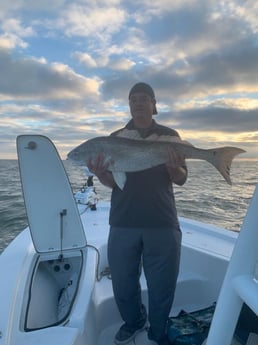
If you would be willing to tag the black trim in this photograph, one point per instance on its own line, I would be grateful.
(61, 321)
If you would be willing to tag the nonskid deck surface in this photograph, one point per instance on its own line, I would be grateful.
(107, 336)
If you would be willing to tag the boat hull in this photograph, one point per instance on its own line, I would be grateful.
(93, 318)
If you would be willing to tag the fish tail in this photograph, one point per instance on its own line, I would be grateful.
(221, 159)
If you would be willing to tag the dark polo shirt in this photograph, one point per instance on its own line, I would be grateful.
(147, 199)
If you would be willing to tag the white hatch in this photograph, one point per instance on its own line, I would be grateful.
(53, 216)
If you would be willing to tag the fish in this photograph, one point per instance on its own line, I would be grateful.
(131, 155)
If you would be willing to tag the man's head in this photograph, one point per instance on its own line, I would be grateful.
(143, 92)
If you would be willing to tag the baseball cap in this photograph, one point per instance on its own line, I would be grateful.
(145, 88)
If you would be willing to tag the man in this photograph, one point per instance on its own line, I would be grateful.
(144, 228)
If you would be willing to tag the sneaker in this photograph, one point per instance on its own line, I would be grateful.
(127, 333)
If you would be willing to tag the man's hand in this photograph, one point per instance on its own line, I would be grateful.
(174, 165)
(99, 167)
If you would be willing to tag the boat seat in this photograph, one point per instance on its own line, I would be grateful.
(241, 280)
(50, 336)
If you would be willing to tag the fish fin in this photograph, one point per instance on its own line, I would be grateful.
(120, 178)
(221, 158)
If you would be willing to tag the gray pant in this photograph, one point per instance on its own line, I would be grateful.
(159, 251)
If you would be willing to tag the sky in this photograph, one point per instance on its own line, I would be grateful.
(67, 67)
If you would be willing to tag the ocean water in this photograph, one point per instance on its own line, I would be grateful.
(205, 196)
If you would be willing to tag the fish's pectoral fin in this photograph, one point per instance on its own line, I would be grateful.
(120, 178)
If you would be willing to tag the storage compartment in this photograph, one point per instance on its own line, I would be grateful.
(52, 290)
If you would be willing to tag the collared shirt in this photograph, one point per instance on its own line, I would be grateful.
(147, 199)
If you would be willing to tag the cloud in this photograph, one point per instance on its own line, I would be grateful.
(80, 20)
(122, 64)
(8, 42)
(85, 59)
(67, 67)
(217, 119)
(35, 78)
(13, 25)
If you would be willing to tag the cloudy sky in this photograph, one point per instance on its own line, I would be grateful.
(67, 67)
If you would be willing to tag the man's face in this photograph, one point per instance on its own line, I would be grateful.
(141, 105)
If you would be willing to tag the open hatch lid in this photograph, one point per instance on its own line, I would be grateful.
(53, 216)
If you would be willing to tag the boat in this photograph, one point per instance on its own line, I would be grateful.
(56, 286)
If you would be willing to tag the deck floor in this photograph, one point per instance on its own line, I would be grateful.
(107, 337)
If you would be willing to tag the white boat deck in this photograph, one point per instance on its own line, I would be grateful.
(107, 337)
(208, 238)
(206, 251)
(194, 290)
